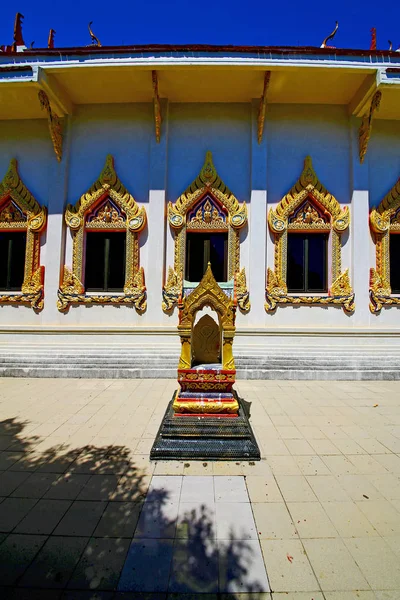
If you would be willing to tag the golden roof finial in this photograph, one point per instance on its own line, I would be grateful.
(18, 38)
(95, 40)
(330, 37)
(50, 40)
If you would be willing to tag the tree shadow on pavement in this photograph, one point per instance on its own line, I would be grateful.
(82, 522)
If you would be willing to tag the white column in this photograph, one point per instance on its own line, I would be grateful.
(153, 252)
(53, 250)
(359, 230)
(257, 222)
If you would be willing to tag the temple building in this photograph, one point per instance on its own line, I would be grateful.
(126, 171)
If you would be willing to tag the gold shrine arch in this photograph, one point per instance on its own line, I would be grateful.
(20, 212)
(207, 205)
(384, 221)
(106, 206)
(308, 207)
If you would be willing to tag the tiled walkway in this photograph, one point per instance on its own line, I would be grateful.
(78, 519)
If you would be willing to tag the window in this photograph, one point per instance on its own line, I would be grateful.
(202, 248)
(394, 253)
(307, 262)
(12, 260)
(105, 261)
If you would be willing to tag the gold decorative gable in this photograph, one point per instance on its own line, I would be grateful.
(308, 206)
(101, 207)
(384, 220)
(223, 211)
(19, 211)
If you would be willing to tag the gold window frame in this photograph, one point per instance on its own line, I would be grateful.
(308, 186)
(382, 224)
(72, 290)
(13, 189)
(208, 183)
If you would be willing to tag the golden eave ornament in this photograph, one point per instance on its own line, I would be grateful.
(55, 124)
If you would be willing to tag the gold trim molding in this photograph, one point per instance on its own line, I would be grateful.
(32, 220)
(364, 132)
(308, 190)
(263, 107)
(383, 221)
(109, 186)
(55, 124)
(208, 183)
(157, 106)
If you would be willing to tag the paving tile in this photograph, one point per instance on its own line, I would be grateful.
(81, 518)
(379, 565)
(35, 486)
(100, 565)
(43, 517)
(99, 487)
(164, 489)
(118, 520)
(387, 484)
(311, 520)
(289, 569)
(359, 487)
(13, 510)
(299, 447)
(295, 488)
(283, 465)
(16, 554)
(147, 566)
(273, 521)
(381, 514)
(230, 489)
(7, 459)
(235, 520)
(334, 566)
(350, 595)
(10, 480)
(312, 465)
(263, 489)
(367, 465)
(197, 488)
(55, 562)
(14, 593)
(67, 487)
(196, 520)
(391, 462)
(158, 520)
(349, 520)
(339, 465)
(194, 567)
(88, 595)
(241, 567)
(327, 488)
(297, 596)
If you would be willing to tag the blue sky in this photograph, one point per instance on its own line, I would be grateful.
(251, 22)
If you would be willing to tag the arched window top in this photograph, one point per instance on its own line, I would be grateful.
(387, 214)
(309, 189)
(107, 185)
(207, 215)
(106, 214)
(208, 181)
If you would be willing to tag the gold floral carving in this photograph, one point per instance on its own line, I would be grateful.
(157, 106)
(364, 133)
(309, 192)
(207, 293)
(72, 289)
(19, 211)
(384, 220)
(55, 124)
(171, 290)
(241, 291)
(209, 183)
(263, 107)
(106, 216)
(207, 217)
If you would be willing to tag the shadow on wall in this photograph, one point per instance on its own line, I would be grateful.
(85, 519)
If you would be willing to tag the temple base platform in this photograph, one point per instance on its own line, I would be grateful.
(188, 436)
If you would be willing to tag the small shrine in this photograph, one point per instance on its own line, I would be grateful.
(205, 418)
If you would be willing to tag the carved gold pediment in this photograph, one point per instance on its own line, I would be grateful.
(383, 220)
(308, 206)
(19, 210)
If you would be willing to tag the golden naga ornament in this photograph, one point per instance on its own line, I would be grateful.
(364, 133)
(384, 220)
(19, 211)
(55, 124)
(107, 205)
(308, 206)
(208, 205)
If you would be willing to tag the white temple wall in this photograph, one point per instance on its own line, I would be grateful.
(157, 173)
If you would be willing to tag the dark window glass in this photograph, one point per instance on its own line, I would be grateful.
(307, 262)
(202, 248)
(12, 260)
(105, 261)
(395, 263)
